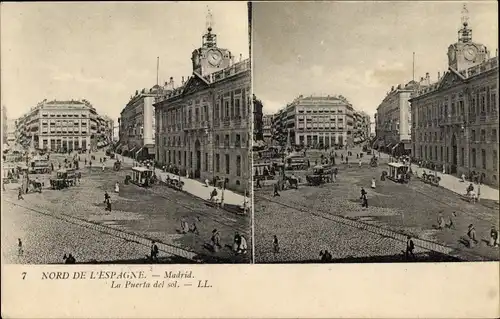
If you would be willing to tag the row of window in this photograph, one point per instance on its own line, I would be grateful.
(327, 140)
(64, 130)
(176, 158)
(227, 106)
(492, 136)
(237, 141)
(479, 104)
(64, 123)
(320, 119)
(63, 115)
(320, 127)
(431, 153)
(320, 111)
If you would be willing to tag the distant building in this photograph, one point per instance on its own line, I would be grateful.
(204, 125)
(4, 125)
(59, 126)
(393, 127)
(455, 120)
(258, 126)
(316, 121)
(361, 129)
(137, 127)
(267, 124)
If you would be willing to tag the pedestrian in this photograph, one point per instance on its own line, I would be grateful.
(472, 236)
(365, 201)
(360, 163)
(493, 237)
(410, 246)
(257, 184)
(236, 242)
(451, 225)
(276, 246)
(276, 187)
(184, 226)
(20, 194)
(243, 245)
(19, 247)
(108, 205)
(103, 167)
(373, 183)
(106, 197)
(213, 194)
(478, 192)
(215, 240)
(85, 162)
(154, 251)
(117, 187)
(440, 221)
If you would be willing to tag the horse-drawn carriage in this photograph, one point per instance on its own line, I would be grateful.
(39, 166)
(174, 183)
(398, 172)
(320, 174)
(34, 186)
(296, 162)
(264, 171)
(431, 179)
(63, 178)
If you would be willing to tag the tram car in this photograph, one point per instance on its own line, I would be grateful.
(398, 172)
(141, 176)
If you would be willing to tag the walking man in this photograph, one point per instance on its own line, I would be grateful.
(276, 187)
(410, 246)
(154, 251)
(20, 194)
(276, 246)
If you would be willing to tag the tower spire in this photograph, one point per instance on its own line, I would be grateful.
(209, 39)
(210, 19)
(465, 33)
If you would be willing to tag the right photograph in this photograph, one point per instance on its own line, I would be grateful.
(375, 132)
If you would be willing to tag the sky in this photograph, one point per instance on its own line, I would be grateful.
(356, 49)
(104, 52)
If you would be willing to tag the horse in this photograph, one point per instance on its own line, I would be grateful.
(292, 181)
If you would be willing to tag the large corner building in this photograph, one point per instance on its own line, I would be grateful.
(204, 125)
(455, 120)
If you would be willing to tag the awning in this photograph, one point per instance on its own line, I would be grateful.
(395, 146)
(140, 150)
(150, 148)
(118, 148)
(133, 150)
(389, 146)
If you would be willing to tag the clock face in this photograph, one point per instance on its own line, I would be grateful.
(470, 52)
(214, 57)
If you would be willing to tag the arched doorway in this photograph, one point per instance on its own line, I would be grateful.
(197, 148)
(454, 154)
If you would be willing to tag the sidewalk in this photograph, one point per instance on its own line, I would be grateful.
(197, 188)
(454, 184)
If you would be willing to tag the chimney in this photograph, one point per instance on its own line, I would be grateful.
(232, 59)
(421, 79)
(439, 75)
(427, 79)
(182, 80)
(241, 57)
(171, 82)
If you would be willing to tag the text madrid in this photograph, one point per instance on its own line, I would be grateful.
(111, 275)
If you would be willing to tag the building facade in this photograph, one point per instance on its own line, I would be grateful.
(4, 125)
(393, 126)
(204, 125)
(258, 125)
(59, 125)
(315, 121)
(267, 126)
(455, 120)
(137, 123)
(361, 130)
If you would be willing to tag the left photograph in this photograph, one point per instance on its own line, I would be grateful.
(126, 130)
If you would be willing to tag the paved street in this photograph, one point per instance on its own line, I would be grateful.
(404, 209)
(153, 213)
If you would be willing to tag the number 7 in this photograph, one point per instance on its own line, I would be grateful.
(24, 275)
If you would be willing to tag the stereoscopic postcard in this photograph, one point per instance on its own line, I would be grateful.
(250, 159)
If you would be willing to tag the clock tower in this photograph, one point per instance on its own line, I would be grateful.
(209, 58)
(465, 53)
